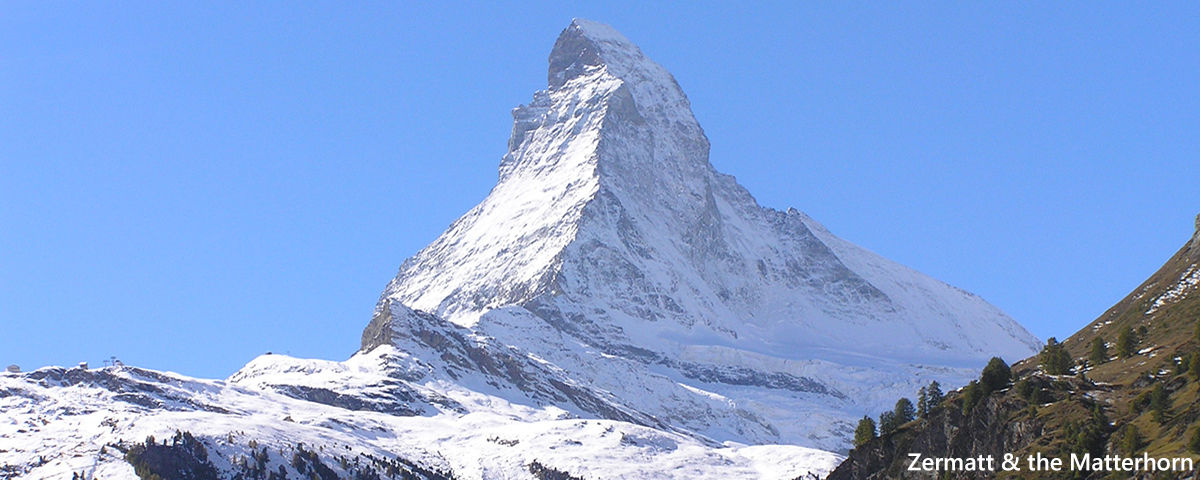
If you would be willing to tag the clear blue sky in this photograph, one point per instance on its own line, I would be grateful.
(188, 185)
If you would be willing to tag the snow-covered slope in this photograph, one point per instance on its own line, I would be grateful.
(615, 308)
(357, 418)
(609, 238)
(607, 201)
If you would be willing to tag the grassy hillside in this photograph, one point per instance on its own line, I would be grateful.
(1137, 394)
(1161, 316)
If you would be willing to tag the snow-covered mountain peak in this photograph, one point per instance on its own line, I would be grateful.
(612, 124)
(600, 82)
(586, 46)
(615, 308)
(609, 230)
(579, 48)
(608, 221)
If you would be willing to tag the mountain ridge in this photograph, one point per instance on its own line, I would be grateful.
(592, 163)
(609, 227)
(614, 308)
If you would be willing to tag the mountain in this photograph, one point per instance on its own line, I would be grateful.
(283, 417)
(1140, 398)
(610, 239)
(615, 308)
(609, 223)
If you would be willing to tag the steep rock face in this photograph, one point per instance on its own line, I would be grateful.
(609, 219)
(440, 347)
(1000, 424)
(611, 228)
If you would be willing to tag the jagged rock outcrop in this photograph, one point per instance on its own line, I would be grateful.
(443, 347)
(1002, 423)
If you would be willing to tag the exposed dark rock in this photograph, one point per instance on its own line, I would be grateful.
(398, 402)
(995, 427)
(734, 375)
(464, 352)
(571, 56)
(542, 472)
(140, 387)
(184, 458)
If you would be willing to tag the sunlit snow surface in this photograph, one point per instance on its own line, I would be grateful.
(52, 428)
(611, 249)
(1189, 281)
(615, 308)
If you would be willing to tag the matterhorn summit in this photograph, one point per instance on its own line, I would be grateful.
(615, 308)
(610, 236)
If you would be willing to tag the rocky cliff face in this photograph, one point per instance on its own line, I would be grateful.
(609, 229)
(1002, 423)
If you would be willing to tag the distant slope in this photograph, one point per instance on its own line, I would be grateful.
(1093, 408)
(373, 417)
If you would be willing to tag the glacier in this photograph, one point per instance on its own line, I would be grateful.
(614, 308)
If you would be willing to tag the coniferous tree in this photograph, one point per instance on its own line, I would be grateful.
(904, 411)
(1160, 403)
(1087, 436)
(934, 396)
(1025, 389)
(922, 403)
(1127, 343)
(1131, 440)
(995, 376)
(1099, 355)
(1054, 358)
(887, 423)
(865, 431)
(971, 395)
